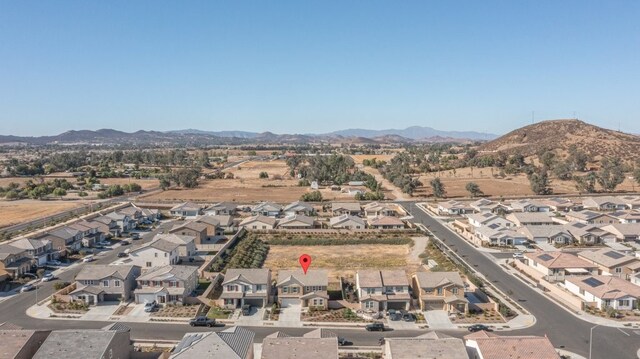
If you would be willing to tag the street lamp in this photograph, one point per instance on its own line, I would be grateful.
(591, 338)
(35, 284)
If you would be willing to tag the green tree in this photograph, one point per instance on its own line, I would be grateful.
(610, 174)
(586, 183)
(314, 196)
(263, 175)
(562, 170)
(438, 188)
(636, 175)
(164, 183)
(59, 192)
(539, 182)
(473, 189)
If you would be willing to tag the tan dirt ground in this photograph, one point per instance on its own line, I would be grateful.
(13, 212)
(145, 183)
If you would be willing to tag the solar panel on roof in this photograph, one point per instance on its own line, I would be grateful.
(592, 282)
(614, 255)
(545, 257)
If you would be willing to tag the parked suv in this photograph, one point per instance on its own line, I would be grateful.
(202, 322)
(150, 306)
(375, 327)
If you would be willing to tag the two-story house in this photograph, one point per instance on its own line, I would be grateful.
(39, 250)
(383, 290)
(440, 291)
(69, 237)
(194, 229)
(168, 284)
(307, 290)
(125, 222)
(91, 233)
(557, 265)
(213, 225)
(105, 283)
(108, 226)
(157, 253)
(186, 244)
(14, 262)
(244, 286)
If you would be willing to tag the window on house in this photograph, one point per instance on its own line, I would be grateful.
(259, 287)
(285, 289)
(619, 270)
(368, 304)
(371, 290)
(399, 289)
(116, 283)
(295, 289)
(454, 290)
(439, 291)
(148, 264)
(623, 303)
(156, 255)
(105, 283)
(166, 255)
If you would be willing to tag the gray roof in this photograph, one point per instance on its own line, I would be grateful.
(350, 206)
(300, 348)
(317, 277)
(186, 206)
(262, 219)
(6, 250)
(340, 220)
(160, 244)
(543, 231)
(296, 218)
(99, 271)
(169, 272)
(175, 238)
(267, 206)
(217, 220)
(252, 275)
(77, 344)
(192, 225)
(65, 232)
(229, 206)
(320, 333)
(529, 217)
(423, 347)
(298, 206)
(13, 342)
(437, 279)
(103, 220)
(232, 343)
(607, 257)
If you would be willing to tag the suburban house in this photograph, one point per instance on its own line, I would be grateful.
(267, 209)
(108, 226)
(631, 202)
(186, 244)
(350, 208)
(187, 209)
(231, 343)
(628, 216)
(624, 232)
(258, 222)
(214, 229)
(557, 265)
(606, 203)
(297, 221)
(222, 209)
(21, 344)
(383, 290)
(377, 209)
(285, 347)
(487, 345)
(591, 217)
(609, 262)
(150, 214)
(525, 205)
(299, 207)
(307, 290)
(134, 214)
(605, 291)
(531, 219)
(484, 205)
(244, 286)
(194, 229)
(440, 291)
(86, 343)
(347, 221)
(562, 205)
(432, 345)
(72, 238)
(453, 208)
(156, 253)
(589, 234)
(168, 284)
(125, 222)
(497, 236)
(91, 232)
(14, 262)
(225, 222)
(487, 219)
(105, 283)
(547, 234)
(385, 222)
(39, 250)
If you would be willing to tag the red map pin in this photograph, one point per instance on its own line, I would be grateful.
(305, 262)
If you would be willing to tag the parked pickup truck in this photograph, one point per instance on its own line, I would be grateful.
(202, 322)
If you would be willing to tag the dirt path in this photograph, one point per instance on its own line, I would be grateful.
(420, 244)
(395, 191)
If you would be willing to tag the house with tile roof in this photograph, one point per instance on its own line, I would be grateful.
(99, 283)
(440, 291)
(382, 290)
(591, 217)
(432, 345)
(246, 286)
(346, 221)
(267, 209)
(297, 221)
(166, 285)
(192, 228)
(547, 234)
(299, 208)
(186, 209)
(604, 203)
(350, 208)
(39, 250)
(307, 290)
(86, 343)
(603, 291)
(487, 345)
(157, 253)
(287, 347)
(385, 222)
(557, 265)
(21, 344)
(186, 244)
(609, 261)
(231, 343)
(453, 208)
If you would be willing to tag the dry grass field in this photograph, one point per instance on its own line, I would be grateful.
(13, 212)
(359, 158)
(339, 260)
(145, 183)
(513, 185)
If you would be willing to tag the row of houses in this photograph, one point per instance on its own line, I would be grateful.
(376, 290)
(20, 256)
(299, 221)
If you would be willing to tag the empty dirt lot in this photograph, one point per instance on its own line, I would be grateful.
(14, 212)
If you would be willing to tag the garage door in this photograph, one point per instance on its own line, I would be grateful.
(254, 302)
(145, 298)
(433, 305)
(396, 305)
(112, 297)
(285, 302)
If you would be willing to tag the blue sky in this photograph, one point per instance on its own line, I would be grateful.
(302, 66)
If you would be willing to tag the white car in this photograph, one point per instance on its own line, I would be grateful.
(48, 277)
(518, 255)
(87, 259)
(27, 287)
(54, 263)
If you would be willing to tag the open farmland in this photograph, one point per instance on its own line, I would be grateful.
(339, 260)
(14, 212)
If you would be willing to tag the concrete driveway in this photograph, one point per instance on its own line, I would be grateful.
(101, 312)
(137, 314)
(290, 316)
(438, 319)
(254, 318)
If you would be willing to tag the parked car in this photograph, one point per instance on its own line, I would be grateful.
(246, 309)
(150, 306)
(478, 327)
(518, 255)
(123, 255)
(88, 259)
(377, 326)
(27, 287)
(48, 277)
(54, 263)
(342, 342)
(409, 317)
(135, 235)
(202, 322)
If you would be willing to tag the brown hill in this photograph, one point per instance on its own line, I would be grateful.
(558, 135)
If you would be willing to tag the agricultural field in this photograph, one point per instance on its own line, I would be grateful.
(14, 212)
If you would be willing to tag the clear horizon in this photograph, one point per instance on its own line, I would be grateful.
(291, 67)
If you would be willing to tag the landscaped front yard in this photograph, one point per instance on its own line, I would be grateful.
(69, 308)
(177, 311)
(219, 313)
(338, 315)
(488, 316)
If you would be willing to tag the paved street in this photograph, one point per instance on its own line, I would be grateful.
(563, 328)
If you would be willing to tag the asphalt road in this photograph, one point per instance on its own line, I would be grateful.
(563, 328)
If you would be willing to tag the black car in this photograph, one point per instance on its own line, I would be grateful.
(202, 322)
(478, 327)
(246, 309)
(409, 317)
(342, 342)
(375, 327)
(122, 255)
